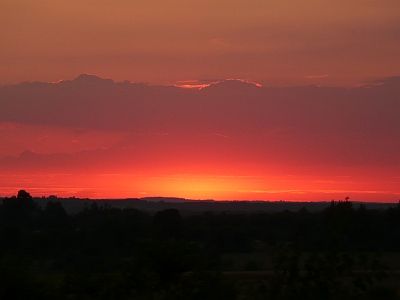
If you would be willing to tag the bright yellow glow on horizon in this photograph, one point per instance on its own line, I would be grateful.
(303, 131)
(120, 186)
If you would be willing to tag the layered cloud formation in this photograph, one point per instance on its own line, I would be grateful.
(253, 142)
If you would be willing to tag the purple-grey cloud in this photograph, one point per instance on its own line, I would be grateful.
(316, 124)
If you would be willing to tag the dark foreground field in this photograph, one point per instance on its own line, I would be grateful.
(343, 251)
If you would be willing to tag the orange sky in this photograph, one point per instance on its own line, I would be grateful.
(274, 42)
(88, 136)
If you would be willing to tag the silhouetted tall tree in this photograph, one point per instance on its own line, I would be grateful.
(19, 209)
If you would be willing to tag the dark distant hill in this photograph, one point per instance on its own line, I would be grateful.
(188, 206)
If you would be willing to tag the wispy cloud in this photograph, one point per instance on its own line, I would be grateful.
(220, 135)
(317, 76)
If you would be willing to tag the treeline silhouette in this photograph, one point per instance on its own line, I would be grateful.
(104, 252)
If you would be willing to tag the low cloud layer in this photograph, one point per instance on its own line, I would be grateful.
(227, 127)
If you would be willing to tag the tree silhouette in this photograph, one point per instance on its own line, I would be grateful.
(54, 214)
(168, 223)
(19, 210)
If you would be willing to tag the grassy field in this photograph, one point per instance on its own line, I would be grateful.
(254, 273)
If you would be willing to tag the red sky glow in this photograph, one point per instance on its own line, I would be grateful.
(246, 100)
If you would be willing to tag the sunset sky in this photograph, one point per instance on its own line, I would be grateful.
(229, 100)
